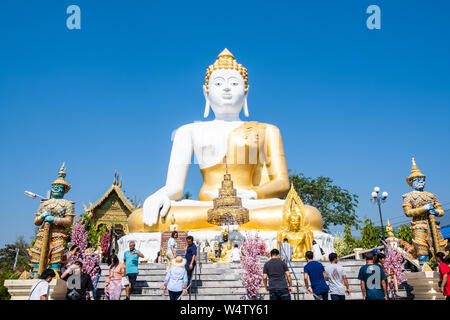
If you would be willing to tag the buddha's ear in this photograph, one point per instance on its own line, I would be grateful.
(245, 104)
(207, 105)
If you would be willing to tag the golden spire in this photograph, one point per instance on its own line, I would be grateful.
(226, 60)
(116, 176)
(389, 230)
(415, 173)
(226, 165)
(228, 207)
(61, 178)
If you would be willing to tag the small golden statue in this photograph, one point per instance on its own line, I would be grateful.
(210, 255)
(225, 255)
(298, 234)
(389, 230)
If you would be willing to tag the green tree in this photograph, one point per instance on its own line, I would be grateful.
(135, 202)
(337, 205)
(7, 258)
(6, 275)
(371, 235)
(186, 195)
(405, 233)
(8, 255)
(349, 241)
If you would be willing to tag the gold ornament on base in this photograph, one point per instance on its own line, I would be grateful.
(227, 210)
(228, 207)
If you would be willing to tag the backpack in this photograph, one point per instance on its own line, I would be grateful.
(73, 294)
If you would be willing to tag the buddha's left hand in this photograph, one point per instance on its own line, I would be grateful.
(246, 194)
(50, 219)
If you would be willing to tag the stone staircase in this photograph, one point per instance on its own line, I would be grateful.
(221, 281)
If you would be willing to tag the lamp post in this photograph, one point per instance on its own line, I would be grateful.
(34, 195)
(376, 197)
(17, 255)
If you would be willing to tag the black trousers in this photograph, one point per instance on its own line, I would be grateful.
(190, 272)
(324, 296)
(279, 294)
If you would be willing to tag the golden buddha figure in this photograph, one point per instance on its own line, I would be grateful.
(390, 230)
(210, 255)
(225, 254)
(255, 159)
(295, 231)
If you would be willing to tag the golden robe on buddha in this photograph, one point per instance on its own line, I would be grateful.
(256, 161)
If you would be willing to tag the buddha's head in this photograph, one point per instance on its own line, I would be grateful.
(226, 88)
(295, 222)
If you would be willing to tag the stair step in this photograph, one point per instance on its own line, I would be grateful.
(219, 281)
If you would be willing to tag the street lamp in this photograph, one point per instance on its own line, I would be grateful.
(376, 197)
(17, 255)
(33, 195)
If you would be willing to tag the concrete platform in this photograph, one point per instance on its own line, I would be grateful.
(20, 289)
(425, 285)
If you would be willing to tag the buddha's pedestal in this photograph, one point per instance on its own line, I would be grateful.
(149, 243)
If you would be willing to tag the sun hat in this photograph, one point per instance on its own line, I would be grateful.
(179, 262)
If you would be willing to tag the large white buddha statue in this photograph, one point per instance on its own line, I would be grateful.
(254, 156)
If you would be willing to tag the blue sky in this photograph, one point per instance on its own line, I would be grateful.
(351, 103)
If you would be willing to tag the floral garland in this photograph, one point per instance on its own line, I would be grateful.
(86, 255)
(106, 237)
(252, 248)
(395, 264)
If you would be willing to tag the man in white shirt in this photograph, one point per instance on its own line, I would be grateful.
(236, 254)
(41, 289)
(337, 279)
(286, 251)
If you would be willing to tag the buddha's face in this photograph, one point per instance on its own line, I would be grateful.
(294, 222)
(226, 92)
(418, 184)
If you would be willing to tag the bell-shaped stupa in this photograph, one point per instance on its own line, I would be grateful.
(228, 207)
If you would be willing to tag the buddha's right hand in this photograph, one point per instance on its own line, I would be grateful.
(152, 206)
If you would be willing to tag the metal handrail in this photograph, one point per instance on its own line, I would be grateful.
(196, 276)
(353, 254)
(292, 269)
